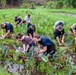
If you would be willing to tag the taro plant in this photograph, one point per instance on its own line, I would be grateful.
(5, 50)
(3, 71)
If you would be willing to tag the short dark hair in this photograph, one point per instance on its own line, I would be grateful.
(33, 26)
(28, 15)
(16, 16)
(19, 36)
(60, 23)
(24, 21)
(2, 25)
(37, 36)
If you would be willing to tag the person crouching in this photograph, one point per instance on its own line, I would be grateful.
(26, 41)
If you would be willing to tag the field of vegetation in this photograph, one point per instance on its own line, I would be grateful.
(63, 62)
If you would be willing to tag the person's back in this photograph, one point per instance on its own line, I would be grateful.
(27, 40)
(29, 24)
(45, 41)
(27, 18)
(18, 20)
(73, 26)
(9, 27)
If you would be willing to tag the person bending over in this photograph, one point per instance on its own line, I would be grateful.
(28, 24)
(31, 31)
(9, 29)
(73, 30)
(26, 41)
(59, 32)
(48, 47)
(18, 21)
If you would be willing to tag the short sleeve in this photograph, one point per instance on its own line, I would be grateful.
(42, 43)
(25, 18)
(8, 28)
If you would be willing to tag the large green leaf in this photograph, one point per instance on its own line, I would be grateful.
(29, 55)
(69, 72)
(4, 49)
(44, 58)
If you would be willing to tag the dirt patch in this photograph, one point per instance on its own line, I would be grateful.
(10, 46)
(73, 57)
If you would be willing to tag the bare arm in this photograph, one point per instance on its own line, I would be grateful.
(43, 50)
(27, 47)
(58, 41)
(24, 47)
(7, 33)
(30, 35)
(22, 38)
(21, 22)
(34, 33)
(74, 32)
(2, 32)
(63, 39)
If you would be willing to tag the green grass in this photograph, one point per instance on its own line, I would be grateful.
(70, 11)
(38, 15)
(3, 71)
(44, 20)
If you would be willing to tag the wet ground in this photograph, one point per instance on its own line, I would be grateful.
(72, 57)
(17, 68)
